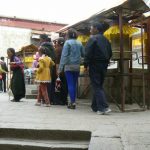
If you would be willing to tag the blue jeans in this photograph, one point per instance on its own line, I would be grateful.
(97, 74)
(72, 78)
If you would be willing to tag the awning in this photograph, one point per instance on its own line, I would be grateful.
(131, 9)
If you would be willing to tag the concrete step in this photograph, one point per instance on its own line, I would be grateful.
(45, 134)
(31, 86)
(31, 91)
(34, 91)
(31, 96)
(25, 144)
(31, 139)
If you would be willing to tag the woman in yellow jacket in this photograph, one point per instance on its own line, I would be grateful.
(43, 76)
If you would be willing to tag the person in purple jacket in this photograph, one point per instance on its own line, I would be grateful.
(17, 83)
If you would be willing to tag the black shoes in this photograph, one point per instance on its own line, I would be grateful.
(71, 106)
(14, 100)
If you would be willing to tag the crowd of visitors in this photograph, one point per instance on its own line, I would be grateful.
(57, 68)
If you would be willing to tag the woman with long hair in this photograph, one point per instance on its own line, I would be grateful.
(60, 97)
(70, 64)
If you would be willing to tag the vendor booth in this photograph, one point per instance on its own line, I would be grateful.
(27, 55)
(124, 84)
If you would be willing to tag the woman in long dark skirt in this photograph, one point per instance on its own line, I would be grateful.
(17, 83)
(60, 97)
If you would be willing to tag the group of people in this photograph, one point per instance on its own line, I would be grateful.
(63, 60)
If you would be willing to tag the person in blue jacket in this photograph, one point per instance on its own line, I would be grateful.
(70, 62)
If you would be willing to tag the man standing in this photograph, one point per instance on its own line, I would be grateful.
(46, 42)
(5, 68)
(97, 55)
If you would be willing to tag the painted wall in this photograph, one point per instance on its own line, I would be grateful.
(13, 37)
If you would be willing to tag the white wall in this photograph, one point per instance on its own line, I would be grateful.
(54, 36)
(13, 37)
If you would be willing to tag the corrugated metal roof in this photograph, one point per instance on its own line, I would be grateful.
(131, 9)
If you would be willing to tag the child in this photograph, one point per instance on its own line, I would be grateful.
(36, 59)
(43, 76)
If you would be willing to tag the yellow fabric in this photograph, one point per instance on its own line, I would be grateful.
(28, 59)
(137, 41)
(83, 39)
(43, 72)
(115, 30)
(1, 70)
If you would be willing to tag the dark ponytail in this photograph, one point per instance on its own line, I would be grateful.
(44, 50)
(72, 34)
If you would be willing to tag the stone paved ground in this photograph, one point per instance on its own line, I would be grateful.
(117, 131)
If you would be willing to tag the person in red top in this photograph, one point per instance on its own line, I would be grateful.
(17, 83)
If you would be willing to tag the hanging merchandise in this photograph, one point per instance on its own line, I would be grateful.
(113, 34)
(83, 38)
(114, 30)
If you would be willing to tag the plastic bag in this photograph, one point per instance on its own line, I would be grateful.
(58, 84)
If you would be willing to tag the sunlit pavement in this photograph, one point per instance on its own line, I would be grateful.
(117, 131)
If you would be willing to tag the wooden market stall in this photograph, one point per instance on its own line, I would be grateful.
(26, 54)
(125, 84)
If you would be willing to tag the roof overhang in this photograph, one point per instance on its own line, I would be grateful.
(131, 10)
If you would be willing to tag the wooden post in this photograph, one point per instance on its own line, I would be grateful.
(131, 71)
(148, 63)
(143, 73)
(122, 62)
